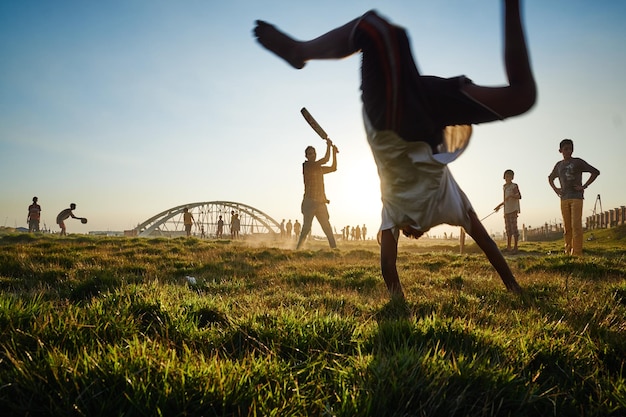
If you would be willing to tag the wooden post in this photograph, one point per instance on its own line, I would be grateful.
(462, 240)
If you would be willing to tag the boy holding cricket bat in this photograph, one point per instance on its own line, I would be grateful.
(314, 200)
(417, 124)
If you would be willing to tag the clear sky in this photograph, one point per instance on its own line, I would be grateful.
(130, 107)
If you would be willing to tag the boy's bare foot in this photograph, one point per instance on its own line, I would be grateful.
(513, 286)
(279, 43)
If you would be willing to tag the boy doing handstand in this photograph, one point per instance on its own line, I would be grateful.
(417, 124)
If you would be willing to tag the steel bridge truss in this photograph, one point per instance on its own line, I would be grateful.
(169, 223)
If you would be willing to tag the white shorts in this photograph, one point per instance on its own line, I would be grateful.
(417, 188)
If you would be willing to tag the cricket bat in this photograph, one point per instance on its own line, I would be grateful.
(316, 126)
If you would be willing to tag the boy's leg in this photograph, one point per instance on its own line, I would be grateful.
(323, 218)
(566, 212)
(482, 239)
(511, 230)
(577, 227)
(395, 96)
(388, 258)
(515, 234)
(306, 227)
(520, 95)
(333, 45)
(389, 76)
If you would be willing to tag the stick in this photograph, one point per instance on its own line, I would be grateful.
(495, 211)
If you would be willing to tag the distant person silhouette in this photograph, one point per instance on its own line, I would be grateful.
(235, 225)
(314, 201)
(297, 228)
(34, 214)
(64, 215)
(364, 232)
(220, 228)
(511, 205)
(288, 229)
(187, 221)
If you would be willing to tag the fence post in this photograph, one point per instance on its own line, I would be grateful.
(612, 221)
(607, 219)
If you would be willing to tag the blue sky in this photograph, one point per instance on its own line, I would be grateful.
(128, 108)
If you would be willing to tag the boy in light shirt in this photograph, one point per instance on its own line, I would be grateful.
(512, 196)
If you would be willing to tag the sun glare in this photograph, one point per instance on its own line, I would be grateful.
(356, 190)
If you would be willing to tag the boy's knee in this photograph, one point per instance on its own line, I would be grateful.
(374, 24)
(526, 96)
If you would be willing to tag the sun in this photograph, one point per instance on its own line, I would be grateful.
(354, 192)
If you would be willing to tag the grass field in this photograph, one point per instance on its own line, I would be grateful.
(105, 326)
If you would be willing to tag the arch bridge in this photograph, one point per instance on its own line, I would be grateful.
(169, 223)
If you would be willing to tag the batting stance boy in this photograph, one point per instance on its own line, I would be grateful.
(314, 201)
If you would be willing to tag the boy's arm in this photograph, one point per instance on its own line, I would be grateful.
(518, 194)
(591, 179)
(326, 157)
(593, 174)
(556, 189)
(333, 167)
(554, 175)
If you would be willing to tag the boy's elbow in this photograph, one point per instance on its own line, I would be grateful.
(528, 98)
(525, 98)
